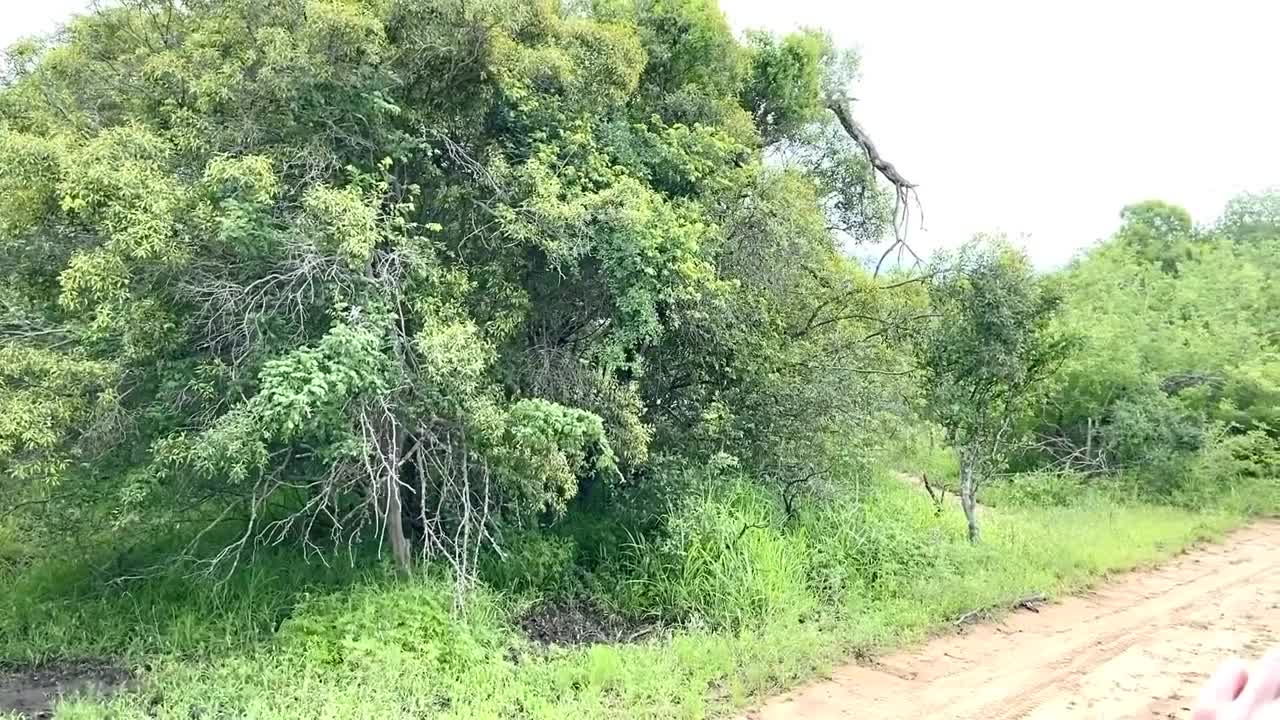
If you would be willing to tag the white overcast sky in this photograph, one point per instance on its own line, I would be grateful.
(1037, 119)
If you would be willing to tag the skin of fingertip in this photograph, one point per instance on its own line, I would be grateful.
(1222, 690)
(1264, 683)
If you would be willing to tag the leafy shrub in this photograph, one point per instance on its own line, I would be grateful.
(731, 558)
(647, 282)
(533, 563)
(13, 551)
(875, 546)
(1151, 430)
(1038, 489)
(1222, 464)
(370, 627)
(725, 561)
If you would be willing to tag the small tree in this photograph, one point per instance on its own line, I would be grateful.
(984, 352)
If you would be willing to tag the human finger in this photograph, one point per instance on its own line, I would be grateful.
(1227, 681)
(1264, 682)
(1222, 688)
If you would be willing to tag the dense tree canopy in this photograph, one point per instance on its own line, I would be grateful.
(1179, 350)
(421, 268)
(417, 272)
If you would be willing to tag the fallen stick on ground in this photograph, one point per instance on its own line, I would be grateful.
(1028, 603)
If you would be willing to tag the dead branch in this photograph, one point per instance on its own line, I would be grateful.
(17, 507)
(1066, 455)
(791, 489)
(904, 190)
(841, 108)
(937, 497)
(1025, 603)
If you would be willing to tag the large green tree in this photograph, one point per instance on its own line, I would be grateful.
(327, 270)
(1179, 333)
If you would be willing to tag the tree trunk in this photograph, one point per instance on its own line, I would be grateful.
(392, 445)
(968, 494)
(394, 520)
(395, 526)
(1088, 443)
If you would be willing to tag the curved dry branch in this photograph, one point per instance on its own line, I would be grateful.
(841, 108)
(904, 190)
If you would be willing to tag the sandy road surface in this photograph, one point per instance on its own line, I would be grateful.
(1138, 647)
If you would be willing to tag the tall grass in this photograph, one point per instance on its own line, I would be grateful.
(753, 601)
(78, 607)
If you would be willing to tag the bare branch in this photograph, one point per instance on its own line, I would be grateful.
(841, 107)
(904, 190)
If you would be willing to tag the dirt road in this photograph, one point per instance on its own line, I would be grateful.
(1138, 647)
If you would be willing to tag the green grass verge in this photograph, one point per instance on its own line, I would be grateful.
(757, 610)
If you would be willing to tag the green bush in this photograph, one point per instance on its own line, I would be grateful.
(732, 559)
(876, 546)
(14, 553)
(725, 561)
(534, 563)
(372, 626)
(1225, 463)
(1037, 489)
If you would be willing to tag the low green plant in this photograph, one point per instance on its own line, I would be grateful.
(136, 607)
(919, 451)
(1038, 489)
(534, 563)
(725, 561)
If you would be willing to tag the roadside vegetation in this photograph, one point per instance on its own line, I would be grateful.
(403, 358)
(724, 622)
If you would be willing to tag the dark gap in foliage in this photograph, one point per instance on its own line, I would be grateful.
(578, 622)
(33, 690)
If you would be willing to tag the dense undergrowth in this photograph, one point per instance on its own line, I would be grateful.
(745, 602)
